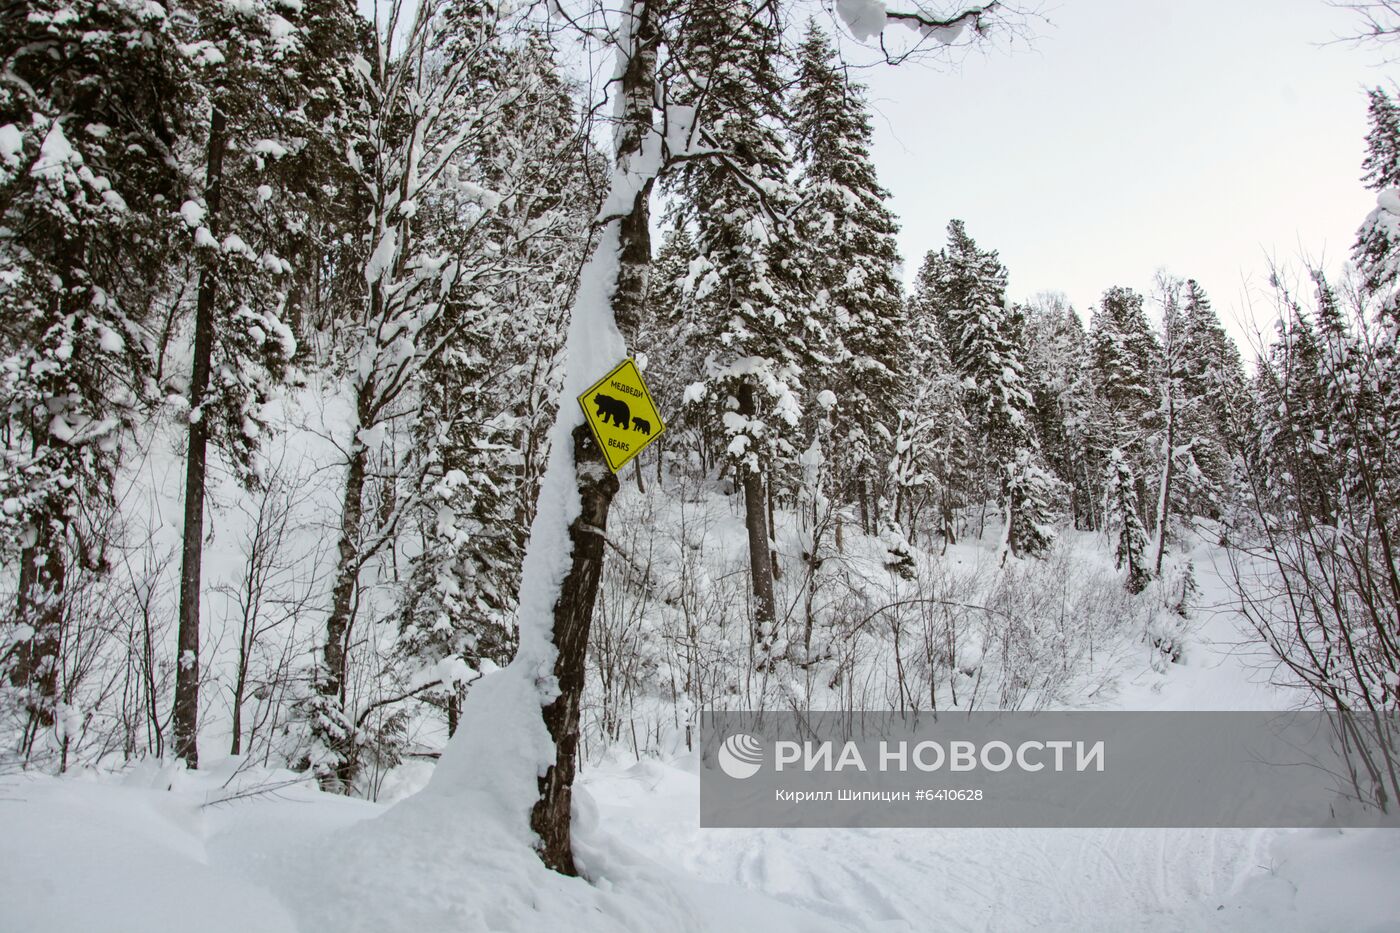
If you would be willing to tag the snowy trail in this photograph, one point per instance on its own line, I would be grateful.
(1224, 669)
(1071, 880)
(968, 879)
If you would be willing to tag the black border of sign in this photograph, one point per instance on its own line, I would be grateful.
(641, 377)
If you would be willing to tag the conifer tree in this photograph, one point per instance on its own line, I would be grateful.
(1298, 474)
(964, 289)
(1124, 356)
(851, 258)
(945, 454)
(1354, 432)
(1214, 377)
(1176, 437)
(1381, 166)
(1377, 249)
(1121, 509)
(934, 442)
(666, 341)
(1057, 364)
(1368, 363)
(751, 309)
(90, 118)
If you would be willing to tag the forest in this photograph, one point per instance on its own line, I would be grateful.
(297, 301)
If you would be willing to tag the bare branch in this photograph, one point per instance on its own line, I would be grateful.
(975, 17)
(1377, 24)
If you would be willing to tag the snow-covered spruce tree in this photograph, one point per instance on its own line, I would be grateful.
(1369, 359)
(258, 101)
(664, 340)
(90, 98)
(1294, 466)
(1057, 367)
(1214, 375)
(851, 262)
(1121, 512)
(1377, 249)
(1123, 355)
(478, 423)
(318, 174)
(965, 291)
(751, 307)
(928, 323)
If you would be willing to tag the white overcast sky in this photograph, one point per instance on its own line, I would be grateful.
(1198, 136)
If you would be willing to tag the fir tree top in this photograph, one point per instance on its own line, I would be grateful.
(1381, 167)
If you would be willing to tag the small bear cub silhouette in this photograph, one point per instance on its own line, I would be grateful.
(614, 410)
(642, 425)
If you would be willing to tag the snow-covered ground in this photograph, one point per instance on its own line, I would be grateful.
(156, 849)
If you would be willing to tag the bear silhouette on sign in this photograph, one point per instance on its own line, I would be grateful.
(614, 410)
(642, 425)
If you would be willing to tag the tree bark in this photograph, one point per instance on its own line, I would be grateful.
(454, 712)
(186, 713)
(772, 524)
(760, 557)
(330, 680)
(573, 617)
(236, 743)
(40, 606)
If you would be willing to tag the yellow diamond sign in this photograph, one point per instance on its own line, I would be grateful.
(620, 411)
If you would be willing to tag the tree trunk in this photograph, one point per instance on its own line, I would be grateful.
(40, 606)
(1165, 493)
(240, 687)
(330, 680)
(573, 616)
(760, 557)
(186, 713)
(595, 483)
(948, 518)
(236, 743)
(772, 533)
